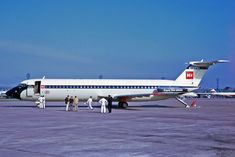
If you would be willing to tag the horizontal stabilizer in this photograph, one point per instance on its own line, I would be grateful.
(206, 64)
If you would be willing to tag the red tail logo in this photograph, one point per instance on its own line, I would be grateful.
(189, 74)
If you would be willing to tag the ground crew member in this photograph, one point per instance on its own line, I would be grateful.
(103, 103)
(110, 101)
(39, 102)
(43, 101)
(89, 102)
(71, 103)
(66, 101)
(75, 103)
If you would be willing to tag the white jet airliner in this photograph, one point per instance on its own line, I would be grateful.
(122, 90)
(213, 92)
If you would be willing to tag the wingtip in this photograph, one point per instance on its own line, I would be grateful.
(223, 61)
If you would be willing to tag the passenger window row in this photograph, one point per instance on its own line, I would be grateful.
(100, 87)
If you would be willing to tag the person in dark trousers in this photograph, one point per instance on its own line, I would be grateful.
(110, 101)
(66, 101)
(71, 103)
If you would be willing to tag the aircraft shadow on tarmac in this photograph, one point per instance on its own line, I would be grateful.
(134, 107)
(158, 106)
(131, 107)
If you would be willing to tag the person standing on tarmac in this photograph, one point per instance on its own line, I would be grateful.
(75, 103)
(71, 100)
(40, 102)
(66, 101)
(89, 102)
(43, 101)
(103, 103)
(110, 101)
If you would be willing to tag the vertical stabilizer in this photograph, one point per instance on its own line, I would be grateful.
(194, 73)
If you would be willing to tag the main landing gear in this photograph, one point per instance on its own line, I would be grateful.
(122, 105)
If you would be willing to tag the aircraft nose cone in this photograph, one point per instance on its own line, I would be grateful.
(9, 93)
(13, 93)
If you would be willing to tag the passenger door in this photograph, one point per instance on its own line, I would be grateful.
(37, 87)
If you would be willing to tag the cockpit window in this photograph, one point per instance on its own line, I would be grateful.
(22, 85)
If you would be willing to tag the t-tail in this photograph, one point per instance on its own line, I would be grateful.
(194, 73)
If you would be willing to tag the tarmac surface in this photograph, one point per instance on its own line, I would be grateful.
(146, 129)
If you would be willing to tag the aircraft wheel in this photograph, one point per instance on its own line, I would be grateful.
(122, 105)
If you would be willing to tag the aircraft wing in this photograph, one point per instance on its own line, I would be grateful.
(189, 94)
(155, 93)
(132, 95)
(126, 97)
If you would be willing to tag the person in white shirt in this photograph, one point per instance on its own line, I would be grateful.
(43, 101)
(89, 102)
(103, 103)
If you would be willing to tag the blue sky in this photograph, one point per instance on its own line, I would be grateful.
(115, 38)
